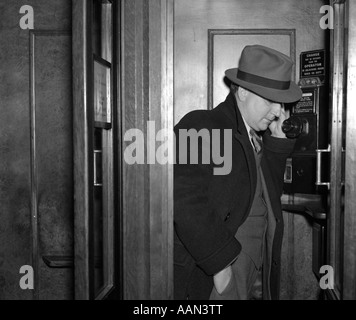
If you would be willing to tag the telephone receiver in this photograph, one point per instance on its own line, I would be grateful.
(295, 126)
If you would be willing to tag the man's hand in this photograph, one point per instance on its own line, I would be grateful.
(222, 279)
(276, 125)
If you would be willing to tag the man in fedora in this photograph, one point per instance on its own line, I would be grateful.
(229, 228)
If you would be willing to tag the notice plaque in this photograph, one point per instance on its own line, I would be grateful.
(307, 103)
(312, 64)
(102, 93)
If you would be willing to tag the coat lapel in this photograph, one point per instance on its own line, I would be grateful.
(232, 111)
(251, 163)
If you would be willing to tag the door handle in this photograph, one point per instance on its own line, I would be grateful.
(97, 168)
(318, 181)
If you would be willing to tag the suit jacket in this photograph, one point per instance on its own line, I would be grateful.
(208, 208)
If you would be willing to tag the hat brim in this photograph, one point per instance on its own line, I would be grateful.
(293, 94)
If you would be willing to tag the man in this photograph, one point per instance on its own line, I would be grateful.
(229, 228)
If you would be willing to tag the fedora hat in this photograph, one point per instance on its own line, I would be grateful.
(267, 73)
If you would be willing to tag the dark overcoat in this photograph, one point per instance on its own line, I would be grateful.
(209, 208)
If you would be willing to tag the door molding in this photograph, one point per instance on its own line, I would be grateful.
(349, 276)
(147, 95)
(212, 33)
(167, 123)
(83, 203)
(338, 85)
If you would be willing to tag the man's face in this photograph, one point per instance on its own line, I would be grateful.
(259, 112)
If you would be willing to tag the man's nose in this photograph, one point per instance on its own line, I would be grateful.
(276, 109)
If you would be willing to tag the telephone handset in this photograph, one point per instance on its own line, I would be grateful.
(294, 126)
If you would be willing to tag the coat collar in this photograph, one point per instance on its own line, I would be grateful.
(231, 110)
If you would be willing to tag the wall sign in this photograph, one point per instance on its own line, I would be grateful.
(312, 64)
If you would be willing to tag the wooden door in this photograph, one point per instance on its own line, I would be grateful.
(96, 222)
(208, 39)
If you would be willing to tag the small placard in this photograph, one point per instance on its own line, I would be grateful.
(307, 103)
(102, 93)
(312, 64)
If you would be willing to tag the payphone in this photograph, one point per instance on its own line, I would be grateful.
(307, 168)
(308, 123)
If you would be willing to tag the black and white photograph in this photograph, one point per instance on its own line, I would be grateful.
(178, 154)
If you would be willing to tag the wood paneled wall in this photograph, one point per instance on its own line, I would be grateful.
(147, 189)
(36, 214)
(52, 150)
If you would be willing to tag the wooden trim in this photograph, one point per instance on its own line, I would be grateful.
(147, 95)
(161, 176)
(135, 110)
(121, 123)
(290, 255)
(169, 125)
(82, 120)
(349, 280)
(103, 294)
(335, 216)
(35, 197)
(214, 32)
(34, 173)
(102, 61)
(59, 261)
(118, 143)
(108, 209)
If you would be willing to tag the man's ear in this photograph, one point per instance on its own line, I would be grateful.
(242, 93)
